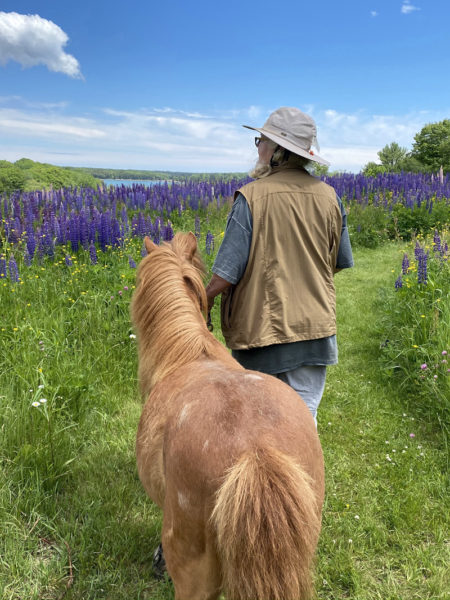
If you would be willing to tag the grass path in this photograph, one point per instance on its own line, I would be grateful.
(385, 516)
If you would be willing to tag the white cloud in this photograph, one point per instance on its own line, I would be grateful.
(363, 129)
(373, 13)
(52, 126)
(173, 140)
(407, 7)
(31, 40)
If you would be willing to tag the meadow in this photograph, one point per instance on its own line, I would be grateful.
(75, 522)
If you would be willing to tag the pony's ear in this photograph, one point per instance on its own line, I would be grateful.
(191, 245)
(149, 245)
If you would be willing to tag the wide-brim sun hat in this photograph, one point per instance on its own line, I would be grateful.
(294, 130)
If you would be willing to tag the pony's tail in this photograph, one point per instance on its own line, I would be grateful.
(267, 523)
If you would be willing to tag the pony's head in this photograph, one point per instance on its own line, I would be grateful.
(182, 251)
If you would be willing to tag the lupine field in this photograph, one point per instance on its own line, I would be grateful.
(101, 218)
(74, 519)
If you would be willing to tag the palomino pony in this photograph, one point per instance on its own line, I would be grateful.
(231, 456)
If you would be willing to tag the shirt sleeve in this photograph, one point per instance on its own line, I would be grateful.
(232, 257)
(345, 255)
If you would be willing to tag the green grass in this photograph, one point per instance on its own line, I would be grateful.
(70, 498)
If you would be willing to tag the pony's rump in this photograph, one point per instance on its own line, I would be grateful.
(267, 521)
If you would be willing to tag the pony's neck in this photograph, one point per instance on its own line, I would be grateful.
(176, 338)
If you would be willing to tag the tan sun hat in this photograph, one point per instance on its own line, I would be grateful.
(293, 130)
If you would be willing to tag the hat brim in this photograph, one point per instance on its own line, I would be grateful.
(285, 143)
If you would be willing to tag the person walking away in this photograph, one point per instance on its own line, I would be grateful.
(286, 237)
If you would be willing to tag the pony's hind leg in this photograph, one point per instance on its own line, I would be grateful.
(192, 565)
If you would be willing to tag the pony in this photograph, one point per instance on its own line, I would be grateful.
(231, 456)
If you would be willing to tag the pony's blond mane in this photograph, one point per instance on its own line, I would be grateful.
(167, 308)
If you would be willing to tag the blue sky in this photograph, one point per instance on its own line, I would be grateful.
(169, 85)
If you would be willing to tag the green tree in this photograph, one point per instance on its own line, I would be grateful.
(391, 156)
(432, 145)
(411, 165)
(25, 163)
(317, 169)
(11, 179)
(372, 169)
(445, 153)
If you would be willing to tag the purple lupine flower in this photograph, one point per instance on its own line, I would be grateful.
(47, 241)
(131, 262)
(93, 253)
(68, 260)
(197, 227)
(27, 257)
(418, 251)
(93, 229)
(40, 248)
(422, 268)
(398, 282)
(2, 267)
(209, 243)
(437, 241)
(31, 242)
(134, 226)
(141, 228)
(13, 270)
(74, 232)
(405, 264)
(84, 229)
(105, 230)
(168, 232)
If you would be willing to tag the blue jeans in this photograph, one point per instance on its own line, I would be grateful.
(309, 383)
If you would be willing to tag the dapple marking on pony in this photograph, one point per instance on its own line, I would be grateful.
(231, 456)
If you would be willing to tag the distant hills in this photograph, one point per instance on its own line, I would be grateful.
(28, 175)
(156, 175)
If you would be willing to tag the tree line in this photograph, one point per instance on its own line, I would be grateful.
(140, 174)
(430, 152)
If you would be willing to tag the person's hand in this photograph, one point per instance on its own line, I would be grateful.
(209, 324)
